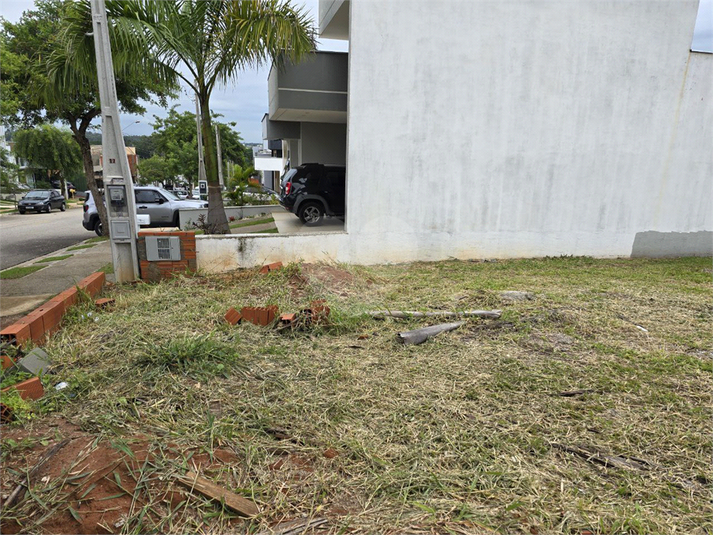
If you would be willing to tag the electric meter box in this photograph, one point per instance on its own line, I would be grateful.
(163, 249)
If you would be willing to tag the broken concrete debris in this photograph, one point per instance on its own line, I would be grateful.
(35, 362)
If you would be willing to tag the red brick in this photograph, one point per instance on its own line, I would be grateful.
(288, 318)
(249, 314)
(93, 283)
(104, 302)
(6, 361)
(71, 295)
(30, 389)
(52, 312)
(37, 326)
(232, 316)
(59, 301)
(17, 333)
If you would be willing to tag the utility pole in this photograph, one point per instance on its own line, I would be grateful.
(220, 158)
(201, 163)
(118, 187)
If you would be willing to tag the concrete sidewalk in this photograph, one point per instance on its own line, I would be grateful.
(20, 296)
(288, 223)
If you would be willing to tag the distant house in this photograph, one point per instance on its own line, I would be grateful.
(98, 162)
(502, 129)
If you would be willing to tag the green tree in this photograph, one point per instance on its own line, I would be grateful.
(206, 43)
(46, 85)
(175, 139)
(51, 150)
(156, 169)
(9, 177)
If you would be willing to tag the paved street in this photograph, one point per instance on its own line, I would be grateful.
(24, 237)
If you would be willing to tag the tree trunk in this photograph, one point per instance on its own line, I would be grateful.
(80, 136)
(217, 220)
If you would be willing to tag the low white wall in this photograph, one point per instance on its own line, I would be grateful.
(186, 217)
(216, 254)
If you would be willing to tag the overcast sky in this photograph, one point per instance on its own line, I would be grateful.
(246, 101)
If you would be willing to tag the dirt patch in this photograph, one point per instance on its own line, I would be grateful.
(330, 277)
(98, 483)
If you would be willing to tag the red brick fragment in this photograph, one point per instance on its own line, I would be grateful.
(288, 318)
(16, 334)
(104, 302)
(330, 453)
(29, 389)
(259, 315)
(270, 267)
(6, 361)
(232, 316)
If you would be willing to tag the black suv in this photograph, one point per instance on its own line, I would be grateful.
(313, 190)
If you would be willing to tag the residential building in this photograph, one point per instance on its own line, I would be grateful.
(98, 162)
(503, 129)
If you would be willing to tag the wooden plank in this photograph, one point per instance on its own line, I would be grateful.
(232, 501)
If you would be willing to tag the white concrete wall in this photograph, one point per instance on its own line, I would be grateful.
(579, 127)
(576, 125)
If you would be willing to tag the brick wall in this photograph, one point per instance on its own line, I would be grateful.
(155, 271)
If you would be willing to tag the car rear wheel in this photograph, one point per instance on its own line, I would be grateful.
(62, 207)
(312, 214)
(98, 228)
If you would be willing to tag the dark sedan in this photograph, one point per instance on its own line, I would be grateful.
(41, 200)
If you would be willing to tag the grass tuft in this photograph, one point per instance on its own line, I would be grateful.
(18, 272)
(53, 258)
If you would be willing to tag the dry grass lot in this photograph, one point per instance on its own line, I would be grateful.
(586, 409)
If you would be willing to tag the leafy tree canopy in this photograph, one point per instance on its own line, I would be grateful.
(47, 147)
(175, 140)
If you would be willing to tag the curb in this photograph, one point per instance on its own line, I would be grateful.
(39, 325)
(46, 318)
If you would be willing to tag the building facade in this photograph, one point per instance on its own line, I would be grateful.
(512, 129)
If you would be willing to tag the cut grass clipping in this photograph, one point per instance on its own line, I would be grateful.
(53, 258)
(585, 407)
(18, 272)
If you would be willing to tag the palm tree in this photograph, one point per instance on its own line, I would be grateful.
(208, 43)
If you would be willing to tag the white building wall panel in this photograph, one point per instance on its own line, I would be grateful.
(571, 126)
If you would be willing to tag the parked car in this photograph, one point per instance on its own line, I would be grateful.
(313, 190)
(71, 189)
(41, 200)
(161, 205)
